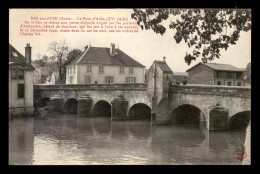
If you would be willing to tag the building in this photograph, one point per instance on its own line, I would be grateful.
(161, 74)
(216, 74)
(247, 75)
(21, 80)
(178, 77)
(104, 65)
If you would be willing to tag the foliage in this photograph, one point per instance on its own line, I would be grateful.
(72, 55)
(204, 30)
(45, 58)
(59, 49)
(39, 62)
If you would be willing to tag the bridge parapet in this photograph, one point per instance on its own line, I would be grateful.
(234, 91)
(123, 87)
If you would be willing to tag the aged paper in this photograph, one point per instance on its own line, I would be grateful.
(133, 80)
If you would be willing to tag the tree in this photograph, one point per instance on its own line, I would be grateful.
(72, 55)
(52, 58)
(59, 49)
(205, 31)
(39, 62)
(45, 58)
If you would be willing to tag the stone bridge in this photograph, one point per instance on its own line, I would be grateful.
(216, 105)
(200, 100)
(100, 94)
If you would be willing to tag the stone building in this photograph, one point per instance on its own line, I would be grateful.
(159, 79)
(216, 74)
(104, 65)
(21, 80)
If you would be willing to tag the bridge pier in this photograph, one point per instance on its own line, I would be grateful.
(119, 108)
(85, 106)
(217, 118)
(56, 103)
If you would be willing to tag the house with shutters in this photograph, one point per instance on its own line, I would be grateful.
(216, 74)
(21, 80)
(104, 65)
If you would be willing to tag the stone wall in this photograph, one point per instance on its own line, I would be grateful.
(201, 75)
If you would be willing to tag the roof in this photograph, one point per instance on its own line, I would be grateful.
(180, 74)
(218, 66)
(16, 58)
(164, 67)
(101, 55)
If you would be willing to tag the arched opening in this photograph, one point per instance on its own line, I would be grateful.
(240, 120)
(140, 111)
(44, 102)
(186, 114)
(102, 109)
(71, 106)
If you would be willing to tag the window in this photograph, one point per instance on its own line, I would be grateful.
(218, 74)
(109, 79)
(20, 90)
(130, 79)
(87, 79)
(13, 73)
(219, 83)
(89, 68)
(229, 75)
(229, 83)
(101, 69)
(121, 70)
(131, 70)
(74, 70)
(21, 74)
(238, 83)
(71, 79)
(239, 75)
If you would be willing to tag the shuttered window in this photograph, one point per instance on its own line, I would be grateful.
(130, 79)
(101, 69)
(89, 68)
(121, 70)
(109, 79)
(131, 70)
(87, 79)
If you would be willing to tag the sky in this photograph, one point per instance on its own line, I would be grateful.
(144, 46)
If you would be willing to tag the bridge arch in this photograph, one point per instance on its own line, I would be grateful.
(186, 113)
(102, 108)
(139, 111)
(239, 120)
(71, 106)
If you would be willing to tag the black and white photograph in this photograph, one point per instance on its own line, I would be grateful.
(129, 86)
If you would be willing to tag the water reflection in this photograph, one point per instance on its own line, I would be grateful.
(67, 139)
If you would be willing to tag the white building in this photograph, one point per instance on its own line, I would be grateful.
(104, 65)
(21, 82)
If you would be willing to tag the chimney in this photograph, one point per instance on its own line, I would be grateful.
(28, 55)
(86, 47)
(164, 58)
(112, 49)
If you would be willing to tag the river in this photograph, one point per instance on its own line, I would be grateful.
(65, 139)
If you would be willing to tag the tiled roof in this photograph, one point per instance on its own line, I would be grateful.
(217, 66)
(164, 67)
(17, 58)
(181, 74)
(101, 55)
